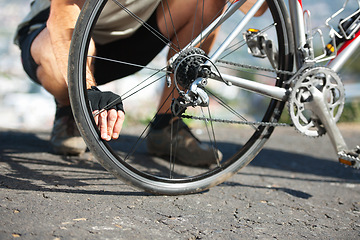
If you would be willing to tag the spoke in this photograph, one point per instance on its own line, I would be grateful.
(147, 26)
(194, 24)
(139, 140)
(130, 64)
(123, 97)
(143, 134)
(172, 23)
(211, 134)
(173, 149)
(229, 108)
(214, 17)
(243, 43)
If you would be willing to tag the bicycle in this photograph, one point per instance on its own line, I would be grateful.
(238, 90)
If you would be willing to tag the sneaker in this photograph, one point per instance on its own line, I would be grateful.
(65, 136)
(187, 148)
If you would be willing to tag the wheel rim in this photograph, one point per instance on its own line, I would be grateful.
(239, 146)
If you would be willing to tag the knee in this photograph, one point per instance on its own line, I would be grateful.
(43, 55)
(41, 49)
(48, 72)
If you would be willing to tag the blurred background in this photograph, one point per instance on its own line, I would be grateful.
(25, 105)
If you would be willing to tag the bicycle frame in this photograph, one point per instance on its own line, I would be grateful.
(297, 19)
(300, 39)
(342, 55)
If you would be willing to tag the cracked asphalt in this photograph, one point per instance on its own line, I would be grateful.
(294, 189)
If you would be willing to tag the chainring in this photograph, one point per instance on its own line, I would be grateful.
(332, 89)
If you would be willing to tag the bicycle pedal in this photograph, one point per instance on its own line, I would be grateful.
(351, 158)
(255, 42)
(260, 46)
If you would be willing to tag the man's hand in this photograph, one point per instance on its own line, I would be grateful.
(109, 121)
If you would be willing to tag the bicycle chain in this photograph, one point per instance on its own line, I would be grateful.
(344, 158)
(355, 160)
(244, 122)
(256, 67)
(237, 122)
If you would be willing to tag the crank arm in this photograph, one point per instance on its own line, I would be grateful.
(318, 106)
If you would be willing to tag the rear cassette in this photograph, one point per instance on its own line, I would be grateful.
(187, 66)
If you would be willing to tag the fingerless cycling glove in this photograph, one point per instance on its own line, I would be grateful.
(104, 100)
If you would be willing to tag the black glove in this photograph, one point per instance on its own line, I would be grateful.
(100, 100)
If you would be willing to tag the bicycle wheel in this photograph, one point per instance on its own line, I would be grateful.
(239, 142)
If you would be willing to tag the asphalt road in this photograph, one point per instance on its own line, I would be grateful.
(294, 189)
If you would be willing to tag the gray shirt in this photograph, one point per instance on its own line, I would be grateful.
(113, 23)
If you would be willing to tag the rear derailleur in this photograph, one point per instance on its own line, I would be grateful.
(190, 78)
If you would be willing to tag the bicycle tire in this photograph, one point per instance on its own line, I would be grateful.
(150, 180)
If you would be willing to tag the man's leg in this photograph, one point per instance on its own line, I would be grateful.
(183, 15)
(176, 21)
(48, 72)
(65, 137)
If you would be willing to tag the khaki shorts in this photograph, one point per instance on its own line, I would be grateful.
(134, 49)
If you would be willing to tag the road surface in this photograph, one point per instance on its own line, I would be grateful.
(294, 189)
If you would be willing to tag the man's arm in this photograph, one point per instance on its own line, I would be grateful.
(61, 24)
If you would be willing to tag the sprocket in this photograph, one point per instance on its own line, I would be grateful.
(187, 66)
(332, 89)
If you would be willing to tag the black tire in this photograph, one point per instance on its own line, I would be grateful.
(239, 147)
